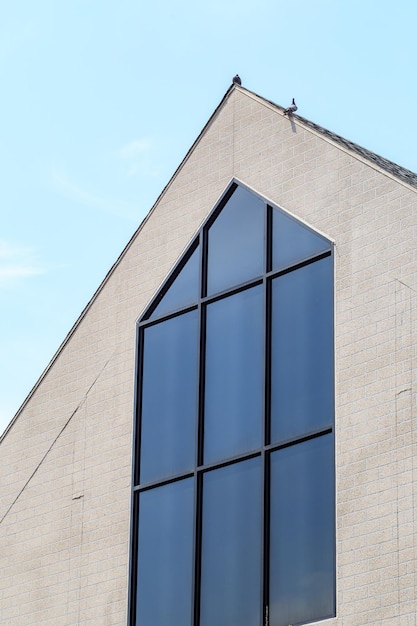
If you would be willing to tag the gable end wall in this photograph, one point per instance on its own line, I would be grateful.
(66, 461)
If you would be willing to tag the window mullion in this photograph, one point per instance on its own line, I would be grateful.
(198, 475)
(268, 238)
(261, 285)
(138, 405)
(266, 539)
(266, 424)
(198, 516)
(201, 385)
(267, 365)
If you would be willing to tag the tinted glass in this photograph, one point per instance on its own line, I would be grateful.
(302, 350)
(165, 562)
(214, 563)
(236, 242)
(184, 289)
(292, 241)
(234, 375)
(169, 397)
(231, 545)
(302, 586)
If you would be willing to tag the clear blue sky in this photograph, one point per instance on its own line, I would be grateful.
(102, 99)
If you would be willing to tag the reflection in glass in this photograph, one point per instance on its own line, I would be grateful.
(234, 375)
(302, 586)
(293, 242)
(236, 242)
(169, 397)
(214, 560)
(302, 350)
(184, 289)
(231, 545)
(165, 563)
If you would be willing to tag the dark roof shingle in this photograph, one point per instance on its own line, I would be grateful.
(402, 173)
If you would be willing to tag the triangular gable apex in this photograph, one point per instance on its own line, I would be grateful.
(119, 259)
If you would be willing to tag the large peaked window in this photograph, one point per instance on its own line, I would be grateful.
(233, 495)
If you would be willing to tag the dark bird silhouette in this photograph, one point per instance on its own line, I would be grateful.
(236, 80)
(291, 109)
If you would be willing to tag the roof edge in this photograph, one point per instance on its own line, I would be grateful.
(381, 163)
(112, 269)
(399, 172)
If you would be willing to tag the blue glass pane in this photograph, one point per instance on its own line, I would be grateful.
(169, 397)
(293, 242)
(165, 564)
(236, 242)
(184, 290)
(302, 585)
(302, 350)
(234, 375)
(231, 546)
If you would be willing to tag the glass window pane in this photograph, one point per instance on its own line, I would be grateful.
(234, 375)
(293, 242)
(302, 585)
(236, 242)
(169, 397)
(165, 564)
(184, 289)
(231, 546)
(302, 350)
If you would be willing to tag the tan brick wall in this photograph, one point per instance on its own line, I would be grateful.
(66, 461)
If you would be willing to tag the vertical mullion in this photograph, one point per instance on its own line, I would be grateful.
(268, 331)
(197, 474)
(198, 486)
(134, 500)
(134, 558)
(268, 358)
(266, 536)
(267, 421)
(201, 352)
(268, 238)
(199, 449)
(204, 262)
(201, 386)
(138, 404)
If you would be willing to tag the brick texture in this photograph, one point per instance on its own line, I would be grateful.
(66, 459)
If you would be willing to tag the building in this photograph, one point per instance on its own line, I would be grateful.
(265, 312)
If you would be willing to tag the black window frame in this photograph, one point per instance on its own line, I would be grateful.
(267, 447)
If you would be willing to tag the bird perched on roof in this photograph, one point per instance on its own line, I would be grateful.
(236, 80)
(291, 109)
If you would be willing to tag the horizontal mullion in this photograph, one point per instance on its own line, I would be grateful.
(166, 480)
(230, 460)
(296, 266)
(236, 289)
(205, 300)
(200, 469)
(168, 316)
(300, 439)
(206, 467)
(233, 290)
